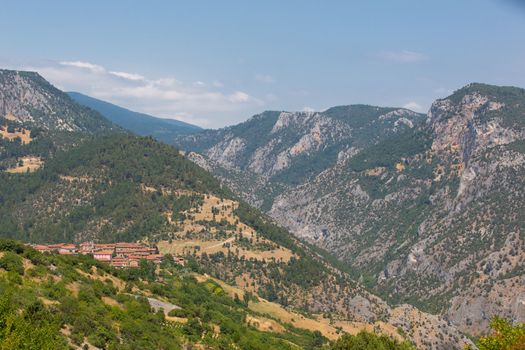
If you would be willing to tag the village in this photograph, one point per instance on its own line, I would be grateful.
(121, 254)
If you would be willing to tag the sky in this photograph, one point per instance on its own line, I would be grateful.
(216, 63)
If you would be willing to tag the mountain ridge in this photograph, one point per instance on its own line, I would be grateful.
(32, 100)
(117, 186)
(142, 124)
(387, 207)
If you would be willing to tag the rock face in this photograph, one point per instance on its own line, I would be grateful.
(37, 120)
(280, 150)
(425, 210)
(32, 101)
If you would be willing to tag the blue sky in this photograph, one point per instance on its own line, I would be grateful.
(216, 63)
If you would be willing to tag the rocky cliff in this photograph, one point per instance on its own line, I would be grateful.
(423, 210)
(37, 119)
(31, 100)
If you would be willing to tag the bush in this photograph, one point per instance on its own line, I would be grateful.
(177, 313)
(505, 336)
(369, 341)
(12, 262)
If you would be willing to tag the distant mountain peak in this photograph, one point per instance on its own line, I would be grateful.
(140, 123)
(33, 101)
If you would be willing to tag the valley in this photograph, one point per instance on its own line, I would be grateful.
(105, 185)
(404, 207)
(262, 175)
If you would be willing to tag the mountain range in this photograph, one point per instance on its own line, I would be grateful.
(395, 218)
(163, 129)
(422, 209)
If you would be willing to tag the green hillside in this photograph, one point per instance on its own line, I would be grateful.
(120, 187)
(116, 167)
(60, 302)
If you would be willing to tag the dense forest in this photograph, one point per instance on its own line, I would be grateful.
(110, 173)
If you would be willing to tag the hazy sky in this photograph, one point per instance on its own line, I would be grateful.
(215, 63)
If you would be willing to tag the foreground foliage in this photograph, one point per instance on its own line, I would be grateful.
(369, 341)
(50, 301)
(504, 337)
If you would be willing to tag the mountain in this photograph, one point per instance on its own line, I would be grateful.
(37, 120)
(164, 130)
(124, 188)
(428, 212)
(113, 186)
(27, 98)
(277, 151)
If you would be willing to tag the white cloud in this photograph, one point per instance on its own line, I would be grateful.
(129, 76)
(166, 82)
(199, 102)
(199, 83)
(264, 78)
(404, 56)
(414, 106)
(239, 96)
(84, 65)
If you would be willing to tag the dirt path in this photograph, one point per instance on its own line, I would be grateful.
(157, 304)
(220, 244)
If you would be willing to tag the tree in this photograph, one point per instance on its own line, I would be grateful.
(12, 262)
(369, 341)
(504, 336)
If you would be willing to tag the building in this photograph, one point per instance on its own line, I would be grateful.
(103, 255)
(67, 249)
(86, 248)
(156, 258)
(42, 248)
(121, 254)
(120, 262)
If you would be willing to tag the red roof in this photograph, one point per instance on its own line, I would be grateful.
(41, 247)
(104, 252)
(56, 246)
(105, 245)
(65, 252)
(153, 257)
(129, 245)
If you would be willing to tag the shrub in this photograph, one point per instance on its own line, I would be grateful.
(12, 262)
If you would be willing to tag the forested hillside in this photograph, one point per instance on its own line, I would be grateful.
(125, 188)
(111, 186)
